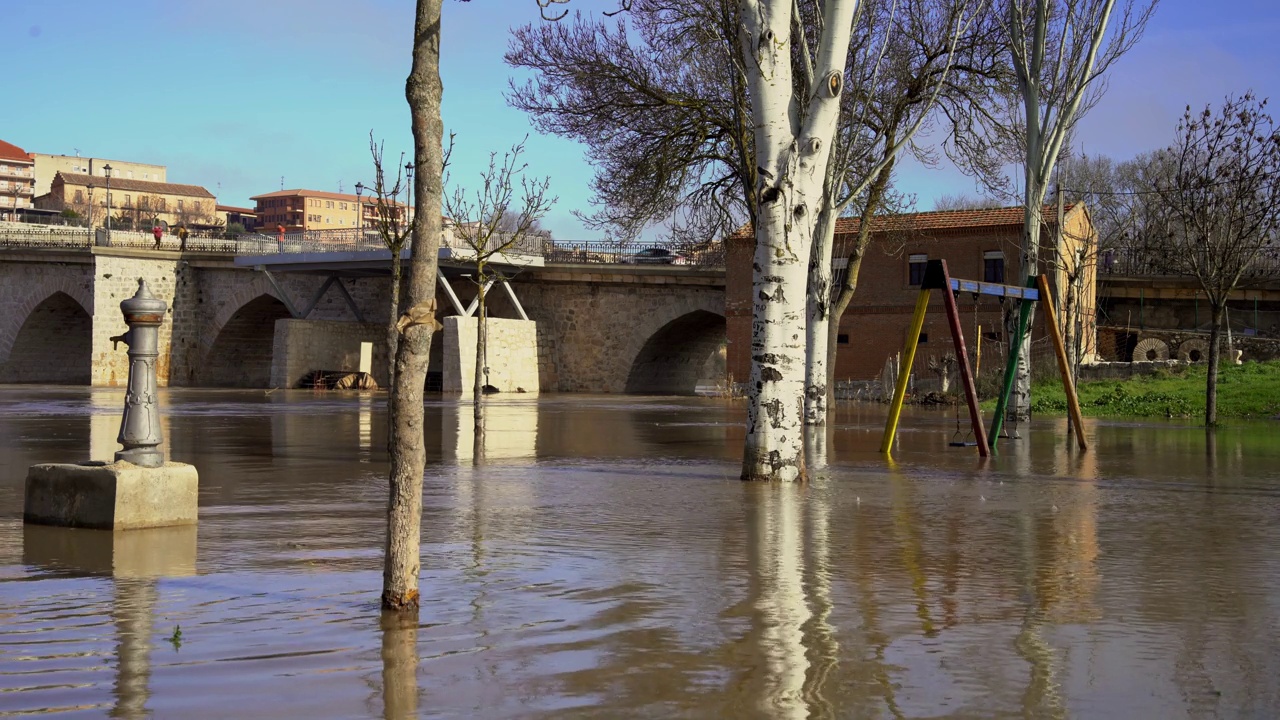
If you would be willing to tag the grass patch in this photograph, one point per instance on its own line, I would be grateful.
(1251, 390)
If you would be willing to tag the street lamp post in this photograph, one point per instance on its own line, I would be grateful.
(106, 171)
(408, 194)
(89, 222)
(359, 212)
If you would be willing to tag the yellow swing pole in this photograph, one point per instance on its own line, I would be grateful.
(904, 372)
(1064, 365)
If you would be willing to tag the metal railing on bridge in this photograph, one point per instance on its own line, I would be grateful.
(24, 235)
(1150, 262)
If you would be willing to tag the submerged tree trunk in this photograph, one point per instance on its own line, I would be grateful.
(1215, 357)
(791, 152)
(393, 332)
(481, 366)
(408, 454)
(1019, 408)
(819, 321)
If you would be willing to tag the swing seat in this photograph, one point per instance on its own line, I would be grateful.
(963, 443)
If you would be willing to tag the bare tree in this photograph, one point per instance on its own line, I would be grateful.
(1221, 201)
(962, 201)
(659, 99)
(490, 221)
(907, 58)
(1059, 50)
(389, 222)
(423, 90)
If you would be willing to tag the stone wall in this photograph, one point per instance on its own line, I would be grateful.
(116, 279)
(301, 346)
(46, 327)
(600, 327)
(512, 351)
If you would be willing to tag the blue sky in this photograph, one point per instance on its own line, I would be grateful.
(234, 94)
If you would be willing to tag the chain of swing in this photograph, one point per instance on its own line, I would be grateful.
(961, 438)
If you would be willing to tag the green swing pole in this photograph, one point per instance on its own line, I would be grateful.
(1011, 369)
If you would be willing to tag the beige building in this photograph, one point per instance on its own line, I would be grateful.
(134, 203)
(48, 166)
(16, 180)
(297, 210)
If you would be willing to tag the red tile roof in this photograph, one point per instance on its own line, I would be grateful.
(9, 151)
(234, 209)
(368, 198)
(934, 220)
(142, 186)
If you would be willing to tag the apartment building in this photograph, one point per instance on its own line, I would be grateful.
(133, 203)
(17, 180)
(298, 210)
(47, 167)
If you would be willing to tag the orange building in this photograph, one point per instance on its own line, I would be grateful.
(977, 245)
(298, 210)
(17, 180)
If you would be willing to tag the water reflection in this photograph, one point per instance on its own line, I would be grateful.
(607, 562)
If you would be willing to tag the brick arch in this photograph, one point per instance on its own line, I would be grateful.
(240, 355)
(16, 317)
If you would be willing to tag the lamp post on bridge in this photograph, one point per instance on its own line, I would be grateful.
(359, 213)
(106, 171)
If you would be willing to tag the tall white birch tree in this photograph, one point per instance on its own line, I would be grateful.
(793, 135)
(1059, 50)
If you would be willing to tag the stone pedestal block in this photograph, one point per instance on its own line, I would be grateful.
(119, 496)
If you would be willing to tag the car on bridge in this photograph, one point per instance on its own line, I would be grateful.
(656, 256)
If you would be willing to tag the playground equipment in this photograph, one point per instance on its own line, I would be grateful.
(937, 277)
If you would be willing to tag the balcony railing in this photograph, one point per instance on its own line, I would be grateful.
(1151, 262)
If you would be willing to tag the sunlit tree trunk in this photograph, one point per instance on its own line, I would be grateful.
(792, 145)
(408, 454)
(481, 350)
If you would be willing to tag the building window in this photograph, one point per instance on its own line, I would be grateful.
(128, 201)
(344, 206)
(915, 268)
(993, 266)
(79, 196)
(924, 338)
(179, 204)
(842, 339)
(328, 204)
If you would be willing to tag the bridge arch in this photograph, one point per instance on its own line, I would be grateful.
(239, 342)
(48, 338)
(673, 357)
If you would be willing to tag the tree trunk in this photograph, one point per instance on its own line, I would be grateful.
(479, 380)
(1215, 355)
(817, 340)
(1019, 408)
(841, 304)
(423, 91)
(393, 333)
(791, 152)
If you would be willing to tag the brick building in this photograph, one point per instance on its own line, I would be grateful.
(17, 180)
(134, 203)
(977, 245)
(48, 166)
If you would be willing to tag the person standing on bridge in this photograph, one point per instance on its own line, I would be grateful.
(182, 238)
(158, 233)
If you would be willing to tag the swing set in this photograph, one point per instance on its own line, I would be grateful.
(936, 277)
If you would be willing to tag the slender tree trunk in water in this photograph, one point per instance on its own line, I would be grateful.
(408, 454)
(1215, 356)
(479, 381)
(817, 337)
(838, 308)
(393, 333)
(1019, 407)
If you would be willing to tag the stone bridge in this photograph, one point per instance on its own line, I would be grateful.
(600, 327)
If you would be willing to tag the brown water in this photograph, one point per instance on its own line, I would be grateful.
(606, 562)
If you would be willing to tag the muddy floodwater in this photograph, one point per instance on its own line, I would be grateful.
(605, 561)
